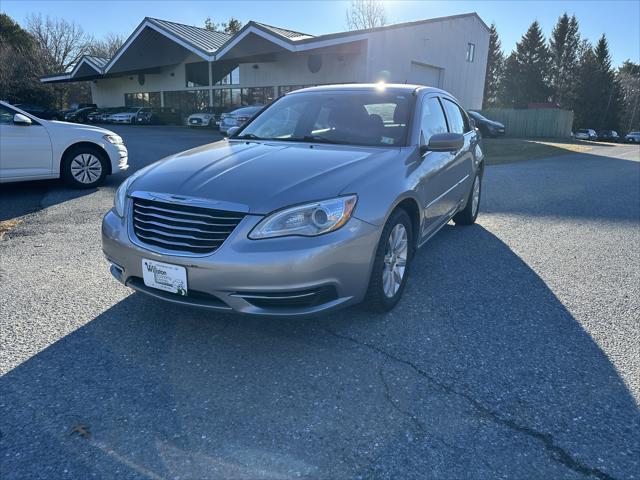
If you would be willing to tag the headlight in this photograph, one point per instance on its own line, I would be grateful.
(115, 139)
(306, 220)
(120, 199)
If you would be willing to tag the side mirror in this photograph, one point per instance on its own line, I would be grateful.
(232, 131)
(472, 123)
(20, 119)
(444, 142)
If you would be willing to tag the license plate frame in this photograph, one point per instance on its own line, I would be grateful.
(165, 276)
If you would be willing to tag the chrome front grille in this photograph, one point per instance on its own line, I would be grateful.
(175, 227)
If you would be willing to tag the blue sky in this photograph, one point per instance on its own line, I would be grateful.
(620, 20)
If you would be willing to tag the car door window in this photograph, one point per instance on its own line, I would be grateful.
(432, 121)
(6, 116)
(457, 120)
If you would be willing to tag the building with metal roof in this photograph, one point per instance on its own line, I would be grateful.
(169, 64)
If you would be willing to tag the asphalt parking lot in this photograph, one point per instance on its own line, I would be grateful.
(515, 352)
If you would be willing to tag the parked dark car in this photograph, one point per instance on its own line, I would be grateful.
(41, 112)
(608, 136)
(488, 128)
(159, 116)
(96, 115)
(79, 116)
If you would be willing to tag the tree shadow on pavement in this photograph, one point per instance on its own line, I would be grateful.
(533, 188)
(480, 372)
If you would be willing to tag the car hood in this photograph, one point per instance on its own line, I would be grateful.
(79, 127)
(262, 177)
(200, 115)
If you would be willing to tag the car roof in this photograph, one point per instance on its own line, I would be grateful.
(395, 87)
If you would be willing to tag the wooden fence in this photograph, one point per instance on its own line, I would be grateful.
(536, 123)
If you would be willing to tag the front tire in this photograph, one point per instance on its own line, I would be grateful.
(84, 167)
(391, 263)
(468, 215)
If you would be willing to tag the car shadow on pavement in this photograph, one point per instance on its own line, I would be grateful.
(480, 372)
(23, 198)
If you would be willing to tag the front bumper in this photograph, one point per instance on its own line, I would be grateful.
(119, 157)
(288, 276)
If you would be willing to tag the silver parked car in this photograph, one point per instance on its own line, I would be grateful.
(237, 117)
(318, 202)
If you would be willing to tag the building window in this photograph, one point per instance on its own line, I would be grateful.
(227, 98)
(187, 101)
(225, 75)
(257, 95)
(230, 98)
(471, 52)
(196, 74)
(142, 99)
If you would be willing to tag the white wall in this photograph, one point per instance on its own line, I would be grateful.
(109, 92)
(440, 44)
(291, 69)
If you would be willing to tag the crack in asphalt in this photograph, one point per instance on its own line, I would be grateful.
(556, 452)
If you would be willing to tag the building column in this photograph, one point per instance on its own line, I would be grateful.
(161, 98)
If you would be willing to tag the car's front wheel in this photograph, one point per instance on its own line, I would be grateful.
(468, 215)
(391, 263)
(84, 167)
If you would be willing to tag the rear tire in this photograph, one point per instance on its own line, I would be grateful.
(468, 215)
(385, 288)
(84, 167)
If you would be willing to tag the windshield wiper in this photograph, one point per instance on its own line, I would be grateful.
(250, 136)
(316, 139)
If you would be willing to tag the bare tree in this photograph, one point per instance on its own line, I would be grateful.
(62, 41)
(366, 14)
(107, 47)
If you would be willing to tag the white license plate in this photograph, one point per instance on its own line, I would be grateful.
(164, 276)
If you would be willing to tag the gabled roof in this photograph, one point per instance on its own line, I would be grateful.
(97, 62)
(211, 45)
(205, 40)
(290, 34)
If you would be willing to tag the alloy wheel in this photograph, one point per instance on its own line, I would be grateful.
(395, 260)
(476, 196)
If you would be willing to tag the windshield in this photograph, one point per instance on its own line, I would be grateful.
(373, 118)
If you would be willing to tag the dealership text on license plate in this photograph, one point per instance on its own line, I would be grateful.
(164, 276)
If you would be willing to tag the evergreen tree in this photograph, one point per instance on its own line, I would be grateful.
(564, 46)
(586, 111)
(629, 79)
(526, 74)
(610, 91)
(495, 68)
(599, 91)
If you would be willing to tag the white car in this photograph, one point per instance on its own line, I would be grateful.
(36, 149)
(585, 134)
(124, 117)
(204, 118)
(632, 137)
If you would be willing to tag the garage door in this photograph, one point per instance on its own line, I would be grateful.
(422, 74)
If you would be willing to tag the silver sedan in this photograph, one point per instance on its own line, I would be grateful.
(319, 202)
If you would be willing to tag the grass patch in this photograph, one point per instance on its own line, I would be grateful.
(6, 226)
(508, 150)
